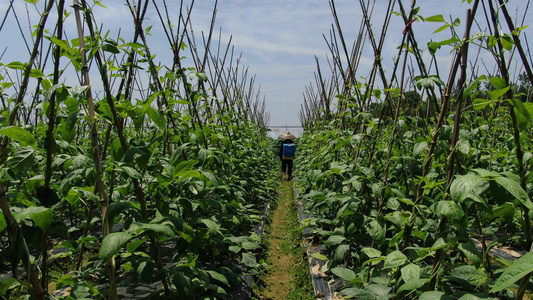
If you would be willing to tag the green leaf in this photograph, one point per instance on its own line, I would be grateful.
(20, 135)
(514, 188)
(371, 252)
(449, 209)
(3, 223)
(463, 146)
(61, 43)
(112, 243)
(433, 46)
(381, 291)
(104, 110)
(377, 230)
(42, 216)
(213, 226)
(36, 73)
(411, 272)
(17, 249)
(359, 294)
(439, 243)
(507, 42)
(217, 276)
(77, 91)
(51, 90)
(248, 259)
(498, 83)
(133, 245)
(145, 269)
(524, 113)
(412, 285)
(250, 245)
(419, 148)
(110, 48)
(344, 273)
(315, 255)
(17, 65)
(394, 260)
(183, 284)
(114, 209)
(163, 229)
(470, 274)
(522, 28)
(68, 128)
(185, 170)
(96, 2)
(473, 297)
(443, 27)
(473, 85)
(22, 159)
(7, 284)
(480, 103)
(497, 94)
(87, 193)
(505, 212)
(118, 152)
(520, 268)
(429, 81)
(156, 117)
(469, 186)
(434, 295)
(131, 172)
(456, 22)
(137, 156)
(334, 240)
(136, 45)
(73, 198)
(435, 18)
(472, 253)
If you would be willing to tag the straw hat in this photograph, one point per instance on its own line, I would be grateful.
(287, 136)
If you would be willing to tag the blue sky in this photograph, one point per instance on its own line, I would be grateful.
(278, 39)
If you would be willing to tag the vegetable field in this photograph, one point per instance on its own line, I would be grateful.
(135, 167)
(416, 175)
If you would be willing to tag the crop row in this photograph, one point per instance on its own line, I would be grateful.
(135, 180)
(411, 185)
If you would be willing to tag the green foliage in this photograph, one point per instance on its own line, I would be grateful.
(395, 242)
(20, 135)
(184, 182)
(520, 268)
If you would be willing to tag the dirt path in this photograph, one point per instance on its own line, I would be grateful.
(288, 274)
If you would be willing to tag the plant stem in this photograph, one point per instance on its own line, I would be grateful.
(52, 107)
(15, 234)
(455, 137)
(485, 253)
(99, 185)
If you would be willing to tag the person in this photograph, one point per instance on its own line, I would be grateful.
(286, 161)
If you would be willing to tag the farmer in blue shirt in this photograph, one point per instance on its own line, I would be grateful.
(286, 154)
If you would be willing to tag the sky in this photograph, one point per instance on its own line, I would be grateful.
(278, 39)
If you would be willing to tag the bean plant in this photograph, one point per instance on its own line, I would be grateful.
(413, 180)
(143, 178)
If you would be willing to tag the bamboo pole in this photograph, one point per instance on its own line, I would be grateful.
(99, 186)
